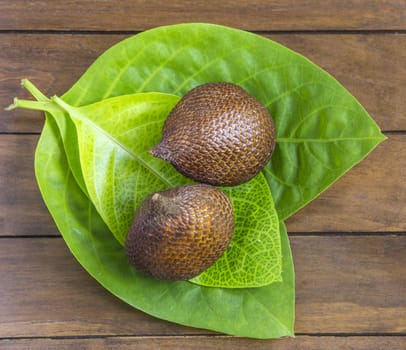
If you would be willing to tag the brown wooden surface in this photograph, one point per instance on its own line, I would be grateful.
(209, 343)
(366, 294)
(379, 204)
(370, 66)
(252, 15)
(349, 245)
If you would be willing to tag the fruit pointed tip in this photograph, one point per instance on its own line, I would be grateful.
(154, 151)
(159, 151)
(166, 205)
(155, 197)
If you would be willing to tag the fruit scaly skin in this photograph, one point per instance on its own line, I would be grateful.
(218, 134)
(178, 233)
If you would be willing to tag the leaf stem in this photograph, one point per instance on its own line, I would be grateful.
(45, 106)
(34, 90)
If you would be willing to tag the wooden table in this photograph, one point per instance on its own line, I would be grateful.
(349, 245)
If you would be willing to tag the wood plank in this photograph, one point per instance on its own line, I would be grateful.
(209, 343)
(258, 15)
(45, 293)
(372, 67)
(350, 284)
(370, 198)
(22, 210)
(53, 295)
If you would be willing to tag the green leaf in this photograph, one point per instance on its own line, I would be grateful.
(114, 138)
(254, 257)
(63, 121)
(265, 312)
(322, 131)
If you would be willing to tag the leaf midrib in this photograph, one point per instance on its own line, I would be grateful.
(77, 115)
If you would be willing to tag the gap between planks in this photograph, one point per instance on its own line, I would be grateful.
(291, 234)
(202, 335)
(259, 32)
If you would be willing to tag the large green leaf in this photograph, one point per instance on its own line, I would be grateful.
(322, 130)
(108, 155)
(114, 138)
(254, 256)
(264, 312)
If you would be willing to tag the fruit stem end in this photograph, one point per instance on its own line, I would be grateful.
(159, 151)
(166, 205)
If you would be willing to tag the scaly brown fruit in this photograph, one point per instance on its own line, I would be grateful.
(178, 233)
(218, 134)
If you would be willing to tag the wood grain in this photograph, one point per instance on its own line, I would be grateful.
(363, 200)
(372, 67)
(22, 210)
(45, 292)
(210, 343)
(370, 197)
(348, 245)
(251, 15)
